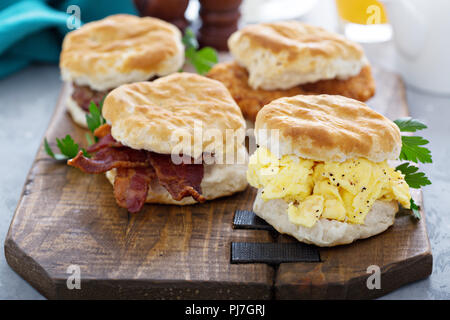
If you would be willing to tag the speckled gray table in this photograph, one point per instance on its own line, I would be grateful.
(27, 100)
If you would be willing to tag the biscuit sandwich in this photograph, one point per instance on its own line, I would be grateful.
(164, 142)
(326, 179)
(119, 49)
(282, 59)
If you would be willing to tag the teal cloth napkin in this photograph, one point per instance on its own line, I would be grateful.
(32, 30)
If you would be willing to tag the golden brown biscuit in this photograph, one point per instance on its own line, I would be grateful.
(155, 115)
(120, 49)
(328, 128)
(235, 78)
(282, 55)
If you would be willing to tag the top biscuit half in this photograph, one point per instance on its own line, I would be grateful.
(282, 55)
(183, 113)
(327, 128)
(120, 49)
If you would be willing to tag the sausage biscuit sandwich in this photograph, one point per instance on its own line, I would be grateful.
(327, 180)
(283, 59)
(162, 141)
(119, 49)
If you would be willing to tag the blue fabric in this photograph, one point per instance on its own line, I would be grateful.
(32, 30)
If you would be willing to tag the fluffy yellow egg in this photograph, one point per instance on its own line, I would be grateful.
(343, 191)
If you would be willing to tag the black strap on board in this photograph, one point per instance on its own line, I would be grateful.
(245, 219)
(270, 253)
(273, 253)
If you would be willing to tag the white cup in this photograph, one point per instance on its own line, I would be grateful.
(422, 38)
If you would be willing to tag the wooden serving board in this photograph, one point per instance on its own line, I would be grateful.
(66, 217)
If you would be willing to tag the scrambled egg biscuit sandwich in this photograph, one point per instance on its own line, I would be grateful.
(119, 49)
(327, 181)
(150, 147)
(281, 59)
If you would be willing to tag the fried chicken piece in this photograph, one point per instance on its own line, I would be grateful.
(235, 78)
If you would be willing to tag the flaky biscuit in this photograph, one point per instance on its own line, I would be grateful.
(219, 180)
(282, 55)
(327, 128)
(120, 49)
(78, 115)
(156, 115)
(235, 77)
(325, 232)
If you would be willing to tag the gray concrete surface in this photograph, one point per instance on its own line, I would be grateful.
(27, 100)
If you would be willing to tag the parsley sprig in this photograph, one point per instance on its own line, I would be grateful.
(202, 59)
(413, 178)
(67, 146)
(94, 118)
(413, 150)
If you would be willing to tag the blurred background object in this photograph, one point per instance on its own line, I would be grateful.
(32, 30)
(219, 20)
(256, 11)
(169, 10)
(363, 20)
(422, 42)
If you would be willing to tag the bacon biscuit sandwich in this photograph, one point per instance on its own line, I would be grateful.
(119, 49)
(164, 142)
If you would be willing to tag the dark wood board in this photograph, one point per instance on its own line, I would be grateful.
(65, 217)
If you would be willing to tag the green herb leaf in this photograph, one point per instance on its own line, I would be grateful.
(202, 59)
(409, 124)
(89, 139)
(50, 152)
(413, 178)
(415, 210)
(411, 150)
(94, 118)
(67, 146)
(48, 149)
(189, 40)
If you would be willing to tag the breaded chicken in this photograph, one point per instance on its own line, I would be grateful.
(235, 78)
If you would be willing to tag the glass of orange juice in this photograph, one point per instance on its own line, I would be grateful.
(363, 20)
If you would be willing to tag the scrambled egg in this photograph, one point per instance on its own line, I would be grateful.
(343, 191)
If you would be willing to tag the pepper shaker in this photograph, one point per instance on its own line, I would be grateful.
(169, 10)
(219, 20)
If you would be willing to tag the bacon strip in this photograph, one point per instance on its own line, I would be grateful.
(131, 186)
(104, 142)
(102, 131)
(108, 158)
(136, 169)
(180, 180)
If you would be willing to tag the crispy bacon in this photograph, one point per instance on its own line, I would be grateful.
(131, 186)
(108, 158)
(102, 131)
(180, 180)
(104, 142)
(106, 139)
(136, 169)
